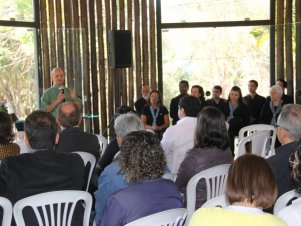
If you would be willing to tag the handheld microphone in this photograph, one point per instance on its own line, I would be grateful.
(62, 91)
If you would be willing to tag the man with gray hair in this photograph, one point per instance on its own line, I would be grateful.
(289, 133)
(111, 179)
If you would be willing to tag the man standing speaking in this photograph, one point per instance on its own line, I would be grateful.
(58, 93)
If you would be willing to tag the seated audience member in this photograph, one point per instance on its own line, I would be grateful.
(155, 115)
(139, 104)
(111, 179)
(142, 161)
(254, 101)
(7, 147)
(122, 126)
(286, 98)
(174, 103)
(43, 170)
(237, 114)
(198, 92)
(289, 134)
(272, 108)
(72, 138)
(178, 139)
(248, 192)
(291, 214)
(217, 101)
(211, 148)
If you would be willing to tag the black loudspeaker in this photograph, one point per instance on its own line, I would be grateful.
(120, 47)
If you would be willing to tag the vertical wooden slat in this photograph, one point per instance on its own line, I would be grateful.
(145, 49)
(289, 48)
(93, 66)
(68, 42)
(110, 71)
(45, 47)
(280, 41)
(130, 70)
(77, 67)
(116, 86)
(52, 34)
(298, 48)
(152, 35)
(123, 74)
(59, 32)
(101, 66)
(137, 47)
(86, 57)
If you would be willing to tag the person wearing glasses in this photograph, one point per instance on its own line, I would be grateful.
(291, 214)
(289, 133)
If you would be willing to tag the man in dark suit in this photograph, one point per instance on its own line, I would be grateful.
(254, 101)
(72, 138)
(174, 104)
(44, 169)
(139, 104)
(289, 134)
(217, 101)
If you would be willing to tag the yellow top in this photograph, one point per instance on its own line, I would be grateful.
(228, 217)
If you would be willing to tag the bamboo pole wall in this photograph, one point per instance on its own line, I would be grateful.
(74, 36)
(288, 64)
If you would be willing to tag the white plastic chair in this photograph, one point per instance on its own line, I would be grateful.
(103, 142)
(220, 201)
(7, 211)
(248, 130)
(165, 218)
(60, 206)
(283, 200)
(88, 158)
(215, 178)
(258, 141)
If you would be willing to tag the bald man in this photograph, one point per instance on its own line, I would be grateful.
(53, 97)
(72, 138)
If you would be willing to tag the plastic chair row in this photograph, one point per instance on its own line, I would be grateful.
(52, 208)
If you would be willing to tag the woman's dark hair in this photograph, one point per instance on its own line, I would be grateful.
(237, 89)
(6, 128)
(244, 183)
(200, 88)
(211, 130)
(297, 169)
(160, 96)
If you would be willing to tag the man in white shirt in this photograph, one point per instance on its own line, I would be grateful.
(178, 139)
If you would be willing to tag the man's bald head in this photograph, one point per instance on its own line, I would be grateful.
(68, 115)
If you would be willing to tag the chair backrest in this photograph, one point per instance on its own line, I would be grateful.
(7, 211)
(215, 178)
(283, 200)
(87, 158)
(54, 208)
(171, 217)
(220, 201)
(248, 130)
(103, 142)
(258, 141)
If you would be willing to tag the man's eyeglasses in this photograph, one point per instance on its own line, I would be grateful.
(276, 126)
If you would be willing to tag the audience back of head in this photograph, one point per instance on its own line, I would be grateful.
(126, 123)
(191, 106)
(211, 130)
(68, 115)
(6, 128)
(41, 130)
